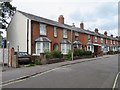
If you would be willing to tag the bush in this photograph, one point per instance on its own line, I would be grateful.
(87, 53)
(110, 52)
(116, 52)
(68, 56)
(78, 52)
(56, 54)
(38, 62)
(48, 55)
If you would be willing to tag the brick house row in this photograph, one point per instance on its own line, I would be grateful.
(35, 35)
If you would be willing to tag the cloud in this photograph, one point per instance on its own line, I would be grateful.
(101, 14)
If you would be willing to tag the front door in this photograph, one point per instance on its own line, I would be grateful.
(96, 49)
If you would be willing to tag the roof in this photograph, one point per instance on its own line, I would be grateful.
(77, 42)
(42, 39)
(65, 41)
(65, 26)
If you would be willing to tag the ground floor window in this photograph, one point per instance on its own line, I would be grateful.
(65, 48)
(90, 48)
(77, 46)
(41, 47)
(106, 48)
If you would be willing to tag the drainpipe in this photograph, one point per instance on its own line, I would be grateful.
(72, 41)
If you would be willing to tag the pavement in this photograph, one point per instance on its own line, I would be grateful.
(14, 74)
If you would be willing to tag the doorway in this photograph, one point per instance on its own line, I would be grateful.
(55, 47)
(96, 49)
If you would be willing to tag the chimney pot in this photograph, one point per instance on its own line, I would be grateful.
(105, 33)
(82, 25)
(96, 30)
(111, 35)
(61, 19)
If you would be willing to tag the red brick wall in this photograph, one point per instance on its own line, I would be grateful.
(83, 38)
(99, 40)
(109, 42)
(35, 27)
(50, 35)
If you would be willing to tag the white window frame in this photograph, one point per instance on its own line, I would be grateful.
(106, 41)
(101, 40)
(89, 38)
(111, 41)
(89, 48)
(114, 42)
(55, 31)
(76, 34)
(65, 33)
(41, 47)
(66, 48)
(43, 30)
(95, 38)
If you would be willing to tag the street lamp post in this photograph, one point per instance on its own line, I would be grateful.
(8, 44)
(3, 53)
(72, 41)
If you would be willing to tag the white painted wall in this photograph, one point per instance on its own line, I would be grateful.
(29, 39)
(17, 32)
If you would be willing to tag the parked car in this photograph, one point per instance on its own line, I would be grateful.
(23, 58)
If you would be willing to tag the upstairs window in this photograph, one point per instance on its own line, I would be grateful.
(42, 29)
(114, 42)
(76, 34)
(111, 41)
(106, 41)
(55, 31)
(65, 35)
(101, 40)
(89, 38)
(95, 39)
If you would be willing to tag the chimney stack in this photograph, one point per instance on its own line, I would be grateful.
(61, 19)
(96, 30)
(105, 33)
(82, 25)
(111, 35)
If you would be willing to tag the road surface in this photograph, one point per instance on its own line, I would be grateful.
(99, 73)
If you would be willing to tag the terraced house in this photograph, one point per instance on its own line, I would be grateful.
(35, 35)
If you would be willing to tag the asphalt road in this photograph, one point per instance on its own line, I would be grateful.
(92, 74)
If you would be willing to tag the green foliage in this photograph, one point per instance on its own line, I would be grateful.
(117, 52)
(7, 11)
(38, 62)
(68, 56)
(56, 54)
(110, 52)
(87, 53)
(48, 55)
(78, 52)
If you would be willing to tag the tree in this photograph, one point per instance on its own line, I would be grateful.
(6, 11)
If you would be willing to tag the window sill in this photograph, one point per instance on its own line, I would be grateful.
(36, 54)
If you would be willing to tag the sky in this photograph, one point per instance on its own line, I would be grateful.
(102, 14)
